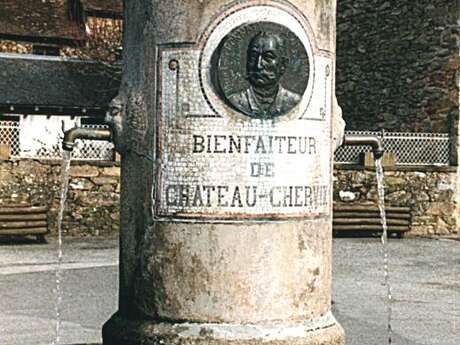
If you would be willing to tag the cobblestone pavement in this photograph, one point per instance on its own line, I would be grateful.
(424, 275)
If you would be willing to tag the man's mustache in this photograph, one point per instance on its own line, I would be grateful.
(265, 75)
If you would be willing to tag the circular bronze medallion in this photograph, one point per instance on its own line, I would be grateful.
(260, 69)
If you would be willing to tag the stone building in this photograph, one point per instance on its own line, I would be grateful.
(398, 71)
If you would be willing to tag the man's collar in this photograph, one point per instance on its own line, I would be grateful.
(254, 105)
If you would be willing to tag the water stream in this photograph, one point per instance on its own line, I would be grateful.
(384, 239)
(63, 195)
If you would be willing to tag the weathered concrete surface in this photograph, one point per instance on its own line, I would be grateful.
(147, 333)
(238, 271)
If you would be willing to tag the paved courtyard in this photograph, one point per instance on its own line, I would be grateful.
(424, 273)
(425, 282)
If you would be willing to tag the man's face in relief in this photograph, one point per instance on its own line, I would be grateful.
(265, 64)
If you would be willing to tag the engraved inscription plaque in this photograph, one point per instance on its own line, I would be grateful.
(244, 120)
(260, 69)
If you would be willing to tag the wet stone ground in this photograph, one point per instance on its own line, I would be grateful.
(425, 277)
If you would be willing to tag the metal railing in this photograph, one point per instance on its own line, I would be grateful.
(410, 149)
(86, 150)
(9, 135)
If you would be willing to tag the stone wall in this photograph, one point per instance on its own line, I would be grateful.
(397, 63)
(398, 69)
(92, 207)
(431, 195)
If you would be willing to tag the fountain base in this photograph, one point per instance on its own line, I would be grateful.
(321, 331)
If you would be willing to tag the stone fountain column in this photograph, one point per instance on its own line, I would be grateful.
(226, 127)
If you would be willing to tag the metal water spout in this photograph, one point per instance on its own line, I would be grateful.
(365, 140)
(84, 133)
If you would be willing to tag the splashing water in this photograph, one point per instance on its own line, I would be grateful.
(64, 187)
(384, 238)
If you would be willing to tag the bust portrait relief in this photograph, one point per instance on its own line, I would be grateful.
(261, 70)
